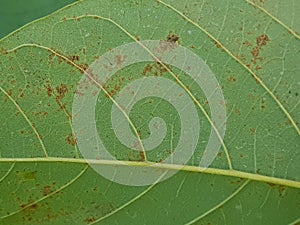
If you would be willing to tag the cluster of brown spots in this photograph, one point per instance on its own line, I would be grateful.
(262, 104)
(170, 151)
(9, 93)
(75, 18)
(90, 220)
(119, 59)
(73, 58)
(29, 206)
(40, 113)
(61, 91)
(217, 44)
(147, 69)
(172, 42)
(231, 78)
(60, 94)
(71, 140)
(49, 90)
(157, 69)
(83, 67)
(68, 59)
(173, 38)
(47, 190)
(261, 41)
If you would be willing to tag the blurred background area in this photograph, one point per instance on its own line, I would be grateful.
(16, 13)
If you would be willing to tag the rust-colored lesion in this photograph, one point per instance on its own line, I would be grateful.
(61, 92)
(261, 41)
(71, 140)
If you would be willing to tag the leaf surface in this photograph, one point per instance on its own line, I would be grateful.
(252, 50)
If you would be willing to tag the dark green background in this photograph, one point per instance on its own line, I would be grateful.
(16, 13)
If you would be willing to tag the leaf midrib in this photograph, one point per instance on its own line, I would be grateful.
(187, 168)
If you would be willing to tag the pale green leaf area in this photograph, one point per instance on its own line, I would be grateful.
(253, 49)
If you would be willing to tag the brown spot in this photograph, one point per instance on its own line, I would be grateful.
(170, 151)
(281, 190)
(71, 140)
(271, 185)
(247, 43)
(219, 154)
(252, 130)
(258, 67)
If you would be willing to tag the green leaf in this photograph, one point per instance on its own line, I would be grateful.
(250, 48)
